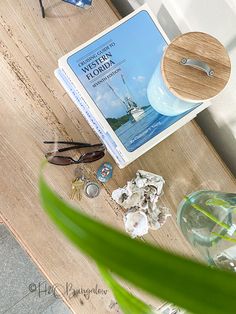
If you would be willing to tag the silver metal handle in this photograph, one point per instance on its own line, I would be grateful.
(197, 64)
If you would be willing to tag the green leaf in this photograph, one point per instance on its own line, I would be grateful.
(226, 238)
(127, 302)
(207, 214)
(218, 202)
(186, 283)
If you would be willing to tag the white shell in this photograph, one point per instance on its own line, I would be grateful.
(140, 197)
(136, 224)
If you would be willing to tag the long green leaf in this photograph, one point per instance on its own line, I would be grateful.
(127, 302)
(186, 283)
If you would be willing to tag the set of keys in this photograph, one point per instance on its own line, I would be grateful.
(76, 187)
(81, 185)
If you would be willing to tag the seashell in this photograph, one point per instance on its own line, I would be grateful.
(140, 197)
(136, 223)
(119, 195)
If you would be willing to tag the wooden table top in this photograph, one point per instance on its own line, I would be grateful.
(34, 108)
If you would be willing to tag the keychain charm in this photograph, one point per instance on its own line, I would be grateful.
(105, 172)
(81, 184)
(91, 189)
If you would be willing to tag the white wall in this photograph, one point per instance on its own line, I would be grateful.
(218, 18)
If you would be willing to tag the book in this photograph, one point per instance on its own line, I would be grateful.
(112, 80)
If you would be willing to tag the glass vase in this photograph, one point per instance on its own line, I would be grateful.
(208, 221)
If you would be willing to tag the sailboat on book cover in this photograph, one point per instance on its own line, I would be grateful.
(132, 108)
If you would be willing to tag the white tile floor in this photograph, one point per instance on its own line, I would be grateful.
(17, 272)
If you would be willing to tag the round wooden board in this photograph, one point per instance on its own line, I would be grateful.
(191, 84)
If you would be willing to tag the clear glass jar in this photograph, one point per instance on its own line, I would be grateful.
(162, 100)
(208, 221)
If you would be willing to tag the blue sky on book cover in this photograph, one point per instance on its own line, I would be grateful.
(119, 72)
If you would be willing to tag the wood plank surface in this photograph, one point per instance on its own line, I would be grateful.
(34, 108)
(193, 84)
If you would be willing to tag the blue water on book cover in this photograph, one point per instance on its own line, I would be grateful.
(116, 70)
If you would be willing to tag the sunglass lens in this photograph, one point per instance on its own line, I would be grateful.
(80, 3)
(60, 160)
(90, 157)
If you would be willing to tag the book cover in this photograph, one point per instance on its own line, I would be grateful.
(116, 73)
(95, 125)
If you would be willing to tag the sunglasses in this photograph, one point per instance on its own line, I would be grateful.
(78, 3)
(84, 158)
